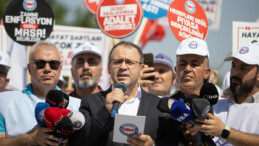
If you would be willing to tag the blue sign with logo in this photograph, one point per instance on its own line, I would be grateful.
(155, 9)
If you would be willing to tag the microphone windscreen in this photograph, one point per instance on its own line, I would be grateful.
(65, 112)
(200, 107)
(51, 116)
(57, 98)
(181, 112)
(121, 86)
(188, 99)
(178, 96)
(39, 112)
(209, 92)
(64, 128)
(77, 119)
(165, 104)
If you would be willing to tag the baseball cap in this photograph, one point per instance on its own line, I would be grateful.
(163, 59)
(86, 48)
(193, 46)
(4, 59)
(247, 54)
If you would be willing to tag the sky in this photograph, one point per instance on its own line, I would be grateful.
(219, 41)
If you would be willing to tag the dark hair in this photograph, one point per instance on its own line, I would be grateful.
(128, 44)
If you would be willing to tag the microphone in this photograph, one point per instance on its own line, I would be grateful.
(181, 112)
(63, 129)
(57, 98)
(116, 104)
(51, 117)
(209, 92)
(165, 103)
(200, 107)
(39, 112)
(76, 117)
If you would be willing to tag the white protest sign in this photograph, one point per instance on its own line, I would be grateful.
(2, 39)
(67, 38)
(244, 33)
(212, 9)
(125, 125)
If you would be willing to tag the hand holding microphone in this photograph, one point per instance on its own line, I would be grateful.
(114, 98)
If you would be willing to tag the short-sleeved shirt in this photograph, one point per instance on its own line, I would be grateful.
(243, 117)
(17, 110)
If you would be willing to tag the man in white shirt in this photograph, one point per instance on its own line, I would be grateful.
(236, 118)
(17, 117)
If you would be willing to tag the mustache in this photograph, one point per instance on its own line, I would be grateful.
(85, 73)
(235, 77)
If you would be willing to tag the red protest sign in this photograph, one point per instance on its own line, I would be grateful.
(91, 5)
(187, 19)
(119, 18)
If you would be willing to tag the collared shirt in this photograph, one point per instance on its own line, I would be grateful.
(252, 99)
(130, 107)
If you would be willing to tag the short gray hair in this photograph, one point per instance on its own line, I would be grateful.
(31, 57)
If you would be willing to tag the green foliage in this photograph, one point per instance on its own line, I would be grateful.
(3, 4)
(81, 18)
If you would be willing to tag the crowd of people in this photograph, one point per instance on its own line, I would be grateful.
(233, 120)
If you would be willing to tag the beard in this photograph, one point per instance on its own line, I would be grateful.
(244, 88)
(88, 83)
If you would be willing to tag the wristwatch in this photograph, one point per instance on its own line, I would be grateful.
(225, 133)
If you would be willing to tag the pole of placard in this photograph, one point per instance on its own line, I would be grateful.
(140, 30)
(69, 84)
(221, 64)
(28, 76)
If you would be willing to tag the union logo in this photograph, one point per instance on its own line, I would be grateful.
(128, 129)
(29, 5)
(190, 7)
(193, 45)
(244, 50)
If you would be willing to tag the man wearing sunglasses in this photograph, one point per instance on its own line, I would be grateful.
(125, 66)
(86, 70)
(18, 124)
(4, 68)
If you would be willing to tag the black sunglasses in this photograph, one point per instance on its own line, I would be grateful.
(54, 64)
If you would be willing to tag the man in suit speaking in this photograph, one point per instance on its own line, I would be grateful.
(125, 66)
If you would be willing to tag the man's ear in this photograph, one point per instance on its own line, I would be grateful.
(207, 73)
(142, 69)
(7, 82)
(109, 68)
(29, 68)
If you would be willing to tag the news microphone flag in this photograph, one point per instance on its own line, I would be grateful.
(39, 112)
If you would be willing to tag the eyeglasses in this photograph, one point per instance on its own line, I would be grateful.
(129, 63)
(54, 64)
(3, 73)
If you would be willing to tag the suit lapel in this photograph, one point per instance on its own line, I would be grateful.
(144, 102)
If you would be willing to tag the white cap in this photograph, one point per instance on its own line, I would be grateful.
(86, 48)
(193, 46)
(4, 59)
(247, 54)
(163, 59)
